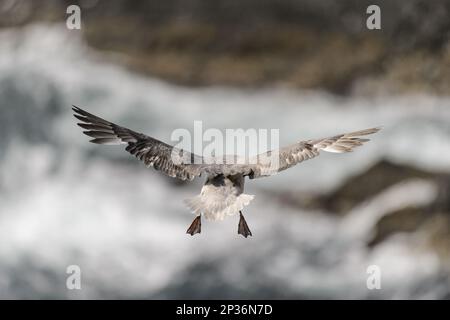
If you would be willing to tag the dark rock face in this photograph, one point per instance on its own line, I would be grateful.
(405, 220)
(303, 44)
(366, 185)
(431, 220)
(377, 178)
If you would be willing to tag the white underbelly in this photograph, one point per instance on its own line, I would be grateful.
(218, 200)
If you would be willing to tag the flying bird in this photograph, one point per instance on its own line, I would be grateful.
(223, 192)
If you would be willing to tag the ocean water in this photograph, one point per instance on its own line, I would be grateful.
(64, 201)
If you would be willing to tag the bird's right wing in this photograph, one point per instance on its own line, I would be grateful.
(289, 156)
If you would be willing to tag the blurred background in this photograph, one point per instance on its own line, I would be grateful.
(308, 68)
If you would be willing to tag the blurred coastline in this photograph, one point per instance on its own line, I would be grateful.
(251, 43)
(309, 68)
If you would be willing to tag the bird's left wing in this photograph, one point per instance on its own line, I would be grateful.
(151, 151)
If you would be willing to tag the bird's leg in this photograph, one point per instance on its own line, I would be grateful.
(196, 226)
(243, 227)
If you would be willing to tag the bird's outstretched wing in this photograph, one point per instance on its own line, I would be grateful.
(188, 166)
(289, 156)
(151, 151)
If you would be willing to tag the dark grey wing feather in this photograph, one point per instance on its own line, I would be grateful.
(151, 151)
(291, 155)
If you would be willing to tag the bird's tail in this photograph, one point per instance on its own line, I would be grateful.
(213, 208)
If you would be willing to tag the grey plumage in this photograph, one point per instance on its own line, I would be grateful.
(152, 152)
(304, 150)
(222, 193)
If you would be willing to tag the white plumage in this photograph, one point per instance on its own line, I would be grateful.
(221, 196)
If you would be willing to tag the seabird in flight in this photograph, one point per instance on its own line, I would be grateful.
(223, 192)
